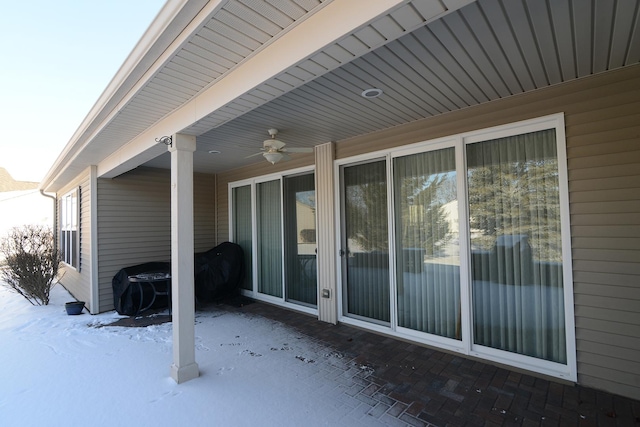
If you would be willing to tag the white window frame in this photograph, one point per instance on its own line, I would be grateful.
(568, 371)
(70, 223)
(466, 346)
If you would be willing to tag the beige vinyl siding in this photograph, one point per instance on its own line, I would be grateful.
(602, 116)
(78, 281)
(134, 222)
(204, 212)
(604, 184)
(222, 210)
(326, 242)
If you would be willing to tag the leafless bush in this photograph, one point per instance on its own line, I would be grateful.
(31, 262)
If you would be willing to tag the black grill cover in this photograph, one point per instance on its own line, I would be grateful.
(219, 272)
(127, 298)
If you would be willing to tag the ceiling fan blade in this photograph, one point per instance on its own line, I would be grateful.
(255, 154)
(298, 150)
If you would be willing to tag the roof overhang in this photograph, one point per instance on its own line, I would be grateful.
(228, 70)
(175, 27)
(154, 42)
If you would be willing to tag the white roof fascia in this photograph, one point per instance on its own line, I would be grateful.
(329, 24)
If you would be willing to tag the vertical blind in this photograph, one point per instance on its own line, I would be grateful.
(242, 230)
(513, 200)
(427, 254)
(514, 208)
(367, 242)
(269, 238)
(300, 239)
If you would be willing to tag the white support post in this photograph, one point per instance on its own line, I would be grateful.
(184, 365)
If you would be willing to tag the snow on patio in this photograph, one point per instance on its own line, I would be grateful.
(60, 370)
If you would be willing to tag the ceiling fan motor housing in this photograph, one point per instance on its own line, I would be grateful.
(273, 144)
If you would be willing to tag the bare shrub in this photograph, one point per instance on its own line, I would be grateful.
(31, 262)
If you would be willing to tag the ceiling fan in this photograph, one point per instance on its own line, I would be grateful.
(275, 150)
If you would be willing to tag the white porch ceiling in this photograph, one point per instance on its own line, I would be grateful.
(487, 50)
(427, 57)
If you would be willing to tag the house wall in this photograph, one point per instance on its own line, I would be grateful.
(77, 281)
(134, 222)
(602, 117)
(204, 212)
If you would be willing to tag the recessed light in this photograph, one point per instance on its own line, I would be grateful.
(371, 93)
(214, 152)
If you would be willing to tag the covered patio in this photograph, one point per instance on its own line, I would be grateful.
(396, 383)
(173, 159)
(381, 380)
(287, 368)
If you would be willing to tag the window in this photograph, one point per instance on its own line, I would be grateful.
(69, 236)
(269, 236)
(242, 231)
(427, 253)
(516, 245)
(366, 242)
(299, 201)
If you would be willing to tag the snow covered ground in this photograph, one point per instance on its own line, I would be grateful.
(58, 370)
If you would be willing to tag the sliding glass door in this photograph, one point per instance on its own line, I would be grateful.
(463, 243)
(242, 232)
(301, 284)
(427, 250)
(273, 219)
(269, 222)
(365, 253)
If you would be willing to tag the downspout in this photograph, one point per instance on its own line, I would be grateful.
(55, 216)
(94, 287)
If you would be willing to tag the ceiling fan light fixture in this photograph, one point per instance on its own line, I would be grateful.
(273, 157)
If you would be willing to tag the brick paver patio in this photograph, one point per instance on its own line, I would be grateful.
(393, 382)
